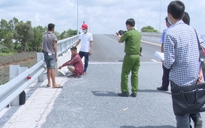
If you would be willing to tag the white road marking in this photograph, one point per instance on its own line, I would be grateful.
(155, 60)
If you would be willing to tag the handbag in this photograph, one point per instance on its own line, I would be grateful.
(189, 99)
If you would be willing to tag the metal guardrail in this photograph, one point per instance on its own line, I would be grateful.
(151, 34)
(12, 89)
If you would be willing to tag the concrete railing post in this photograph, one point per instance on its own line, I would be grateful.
(14, 71)
(40, 57)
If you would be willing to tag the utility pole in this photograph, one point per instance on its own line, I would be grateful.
(77, 18)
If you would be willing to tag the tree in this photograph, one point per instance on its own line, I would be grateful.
(24, 33)
(148, 29)
(36, 43)
(8, 41)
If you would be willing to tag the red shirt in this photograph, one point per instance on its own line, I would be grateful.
(77, 63)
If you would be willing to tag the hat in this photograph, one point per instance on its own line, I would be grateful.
(84, 26)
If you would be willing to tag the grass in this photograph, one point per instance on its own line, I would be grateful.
(7, 54)
(28, 61)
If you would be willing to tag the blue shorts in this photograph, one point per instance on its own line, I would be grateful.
(50, 60)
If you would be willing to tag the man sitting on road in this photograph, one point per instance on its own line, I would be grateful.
(74, 65)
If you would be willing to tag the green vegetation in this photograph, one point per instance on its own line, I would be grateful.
(148, 29)
(19, 36)
(19, 42)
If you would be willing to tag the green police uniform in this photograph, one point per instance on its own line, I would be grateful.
(131, 60)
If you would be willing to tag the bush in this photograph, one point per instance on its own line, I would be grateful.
(5, 50)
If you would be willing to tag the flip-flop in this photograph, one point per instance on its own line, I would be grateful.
(58, 86)
(47, 85)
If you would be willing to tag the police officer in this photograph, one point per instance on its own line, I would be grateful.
(131, 62)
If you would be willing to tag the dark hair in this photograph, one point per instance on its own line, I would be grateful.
(130, 22)
(73, 48)
(176, 9)
(186, 18)
(51, 26)
(166, 19)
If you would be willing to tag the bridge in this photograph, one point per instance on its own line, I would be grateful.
(91, 101)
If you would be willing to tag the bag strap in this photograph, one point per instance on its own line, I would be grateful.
(201, 55)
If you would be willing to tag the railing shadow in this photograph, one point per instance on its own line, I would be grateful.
(153, 91)
(113, 94)
(163, 126)
(13, 109)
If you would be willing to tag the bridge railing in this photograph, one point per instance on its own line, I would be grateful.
(10, 91)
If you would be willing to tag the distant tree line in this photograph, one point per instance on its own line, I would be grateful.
(148, 29)
(19, 36)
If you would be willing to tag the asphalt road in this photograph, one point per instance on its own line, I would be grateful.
(92, 102)
(107, 49)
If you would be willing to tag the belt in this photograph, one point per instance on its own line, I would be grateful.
(129, 54)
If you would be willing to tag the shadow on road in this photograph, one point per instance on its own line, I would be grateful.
(151, 90)
(104, 93)
(164, 126)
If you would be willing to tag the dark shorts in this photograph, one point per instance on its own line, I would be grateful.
(50, 60)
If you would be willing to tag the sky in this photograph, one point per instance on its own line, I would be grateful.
(102, 16)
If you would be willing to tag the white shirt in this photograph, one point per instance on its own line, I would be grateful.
(85, 41)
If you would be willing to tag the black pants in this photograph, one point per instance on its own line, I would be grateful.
(86, 59)
(165, 77)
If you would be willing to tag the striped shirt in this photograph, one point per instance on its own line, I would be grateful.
(181, 54)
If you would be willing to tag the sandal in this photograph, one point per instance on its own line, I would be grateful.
(58, 86)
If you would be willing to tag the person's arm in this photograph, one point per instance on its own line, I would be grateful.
(55, 50)
(169, 52)
(77, 43)
(65, 64)
(162, 41)
(162, 47)
(91, 44)
(121, 39)
(200, 76)
(91, 47)
(74, 60)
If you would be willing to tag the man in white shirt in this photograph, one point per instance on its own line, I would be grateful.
(86, 40)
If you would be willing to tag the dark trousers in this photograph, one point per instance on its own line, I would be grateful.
(165, 77)
(86, 57)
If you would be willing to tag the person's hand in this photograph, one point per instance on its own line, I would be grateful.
(60, 67)
(162, 62)
(56, 59)
(200, 78)
(69, 68)
(90, 52)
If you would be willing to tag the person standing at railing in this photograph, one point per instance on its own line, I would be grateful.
(86, 40)
(49, 47)
(74, 65)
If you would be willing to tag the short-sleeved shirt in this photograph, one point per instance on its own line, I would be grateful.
(132, 40)
(163, 34)
(48, 42)
(85, 41)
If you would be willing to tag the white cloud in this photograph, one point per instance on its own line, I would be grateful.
(102, 16)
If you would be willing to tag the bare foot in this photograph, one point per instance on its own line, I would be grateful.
(57, 86)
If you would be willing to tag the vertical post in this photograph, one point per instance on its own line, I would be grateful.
(160, 15)
(19, 70)
(39, 58)
(77, 18)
